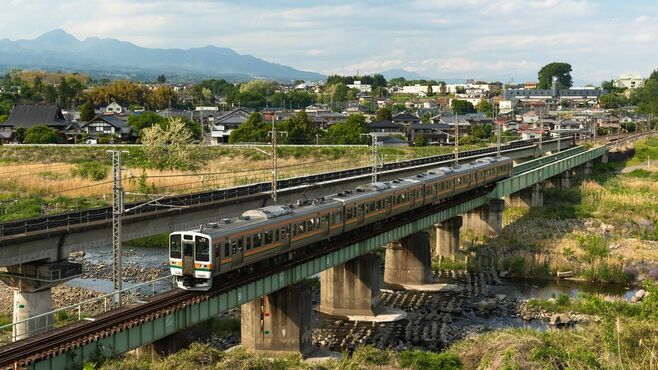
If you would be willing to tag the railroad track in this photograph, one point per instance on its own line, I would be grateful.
(52, 343)
(69, 219)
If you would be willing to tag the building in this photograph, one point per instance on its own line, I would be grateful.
(108, 126)
(554, 93)
(435, 133)
(26, 116)
(364, 88)
(113, 108)
(386, 128)
(530, 85)
(223, 125)
(405, 119)
(630, 81)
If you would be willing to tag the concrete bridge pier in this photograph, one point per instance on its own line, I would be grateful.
(486, 220)
(32, 284)
(279, 323)
(447, 238)
(587, 168)
(409, 261)
(529, 197)
(351, 288)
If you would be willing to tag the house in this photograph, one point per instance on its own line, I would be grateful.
(106, 125)
(435, 134)
(329, 118)
(386, 128)
(405, 119)
(364, 88)
(113, 108)
(26, 116)
(530, 85)
(386, 102)
(174, 112)
(528, 134)
(393, 141)
(221, 128)
(630, 81)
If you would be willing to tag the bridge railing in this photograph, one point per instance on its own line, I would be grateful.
(84, 310)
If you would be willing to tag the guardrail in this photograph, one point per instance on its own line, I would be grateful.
(44, 223)
(83, 310)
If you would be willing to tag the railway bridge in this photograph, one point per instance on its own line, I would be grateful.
(276, 310)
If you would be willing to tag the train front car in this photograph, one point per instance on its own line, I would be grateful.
(190, 260)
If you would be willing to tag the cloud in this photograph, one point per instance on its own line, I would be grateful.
(491, 39)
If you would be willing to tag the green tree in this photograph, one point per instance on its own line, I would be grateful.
(482, 131)
(338, 92)
(462, 107)
(420, 140)
(252, 130)
(41, 135)
(171, 148)
(560, 70)
(248, 98)
(348, 132)
(87, 111)
(19, 135)
(612, 101)
(301, 130)
(426, 118)
(484, 106)
(430, 92)
(161, 79)
(646, 98)
(384, 114)
(144, 120)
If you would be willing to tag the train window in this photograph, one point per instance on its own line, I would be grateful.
(226, 249)
(175, 246)
(202, 249)
(284, 233)
(234, 247)
(301, 228)
(239, 244)
(348, 213)
(258, 240)
(459, 180)
(268, 237)
(248, 242)
(276, 235)
(188, 237)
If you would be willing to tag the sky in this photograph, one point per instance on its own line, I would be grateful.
(500, 40)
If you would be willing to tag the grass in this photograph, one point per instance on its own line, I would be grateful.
(224, 326)
(154, 241)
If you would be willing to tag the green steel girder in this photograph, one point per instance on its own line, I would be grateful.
(173, 322)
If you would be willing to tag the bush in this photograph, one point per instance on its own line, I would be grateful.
(91, 170)
(41, 135)
(421, 360)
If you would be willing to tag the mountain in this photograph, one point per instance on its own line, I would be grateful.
(60, 50)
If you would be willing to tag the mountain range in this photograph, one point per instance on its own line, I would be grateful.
(59, 50)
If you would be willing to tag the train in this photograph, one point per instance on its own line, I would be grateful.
(271, 233)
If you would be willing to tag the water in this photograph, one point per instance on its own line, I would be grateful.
(543, 289)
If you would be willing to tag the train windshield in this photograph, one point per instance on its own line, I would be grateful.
(202, 249)
(175, 246)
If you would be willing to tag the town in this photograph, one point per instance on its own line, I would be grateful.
(340, 110)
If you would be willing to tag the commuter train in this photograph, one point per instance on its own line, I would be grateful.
(271, 233)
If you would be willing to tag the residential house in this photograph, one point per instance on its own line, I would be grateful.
(364, 88)
(223, 125)
(107, 126)
(385, 102)
(630, 81)
(26, 116)
(113, 108)
(435, 133)
(172, 112)
(386, 128)
(406, 119)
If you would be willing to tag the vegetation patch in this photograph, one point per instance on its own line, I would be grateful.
(154, 241)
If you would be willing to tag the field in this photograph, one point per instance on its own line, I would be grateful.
(36, 181)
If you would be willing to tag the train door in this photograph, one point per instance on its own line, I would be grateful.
(188, 255)
(285, 237)
(360, 212)
(237, 251)
(388, 204)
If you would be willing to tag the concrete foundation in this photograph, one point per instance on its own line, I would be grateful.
(351, 288)
(163, 347)
(486, 220)
(528, 197)
(30, 304)
(447, 237)
(587, 168)
(279, 323)
(565, 180)
(409, 260)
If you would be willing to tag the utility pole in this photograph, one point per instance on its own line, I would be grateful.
(456, 139)
(275, 176)
(498, 130)
(374, 155)
(541, 128)
(117, 216)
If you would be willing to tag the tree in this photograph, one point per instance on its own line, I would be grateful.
(560, 70)
(430, 92)
(484, 106)
(301, 130)
(170, 148)
(348, 132)
(87, 112)
(338, 92)
(253, 130)
(145, 120)
(248, 98)
(462, 107)
(161, 97)
(19, 135)
(384, 114)
(612, 101)
(482, 131)
(162, 79)
(420, 140)
(426, 118)
(41, 135)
